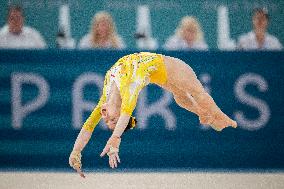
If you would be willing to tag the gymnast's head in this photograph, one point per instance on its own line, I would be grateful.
(110, 115)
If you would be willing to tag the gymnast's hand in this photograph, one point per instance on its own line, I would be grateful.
(75, 162)
(112, 149)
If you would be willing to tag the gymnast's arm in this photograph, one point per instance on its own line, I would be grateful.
(84, 136)
(89, 126)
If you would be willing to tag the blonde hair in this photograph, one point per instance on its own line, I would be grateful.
(112, 35)
(190, 21)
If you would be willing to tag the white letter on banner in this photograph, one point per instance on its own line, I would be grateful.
(261, 106)
(205, 79)
(79, 105)
(160, 107)
(20, 111)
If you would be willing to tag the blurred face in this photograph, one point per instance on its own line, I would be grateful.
(15, 21)
(110, 115)
(260, 22)
(102, 27)
(189, 34)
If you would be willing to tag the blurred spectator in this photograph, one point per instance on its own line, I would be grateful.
(102, 33)
(15, 35)
(187, 36)
(259, 39)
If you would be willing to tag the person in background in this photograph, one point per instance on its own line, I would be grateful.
(15, 35)
(188, 35)
(259, 38)
(102, 34)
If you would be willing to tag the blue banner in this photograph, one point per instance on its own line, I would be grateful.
(45, 96)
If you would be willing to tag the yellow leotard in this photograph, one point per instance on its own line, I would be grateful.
(131, 74)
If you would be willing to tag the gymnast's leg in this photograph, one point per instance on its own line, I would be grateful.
(182, 100)
(185, 101)
(181, 77)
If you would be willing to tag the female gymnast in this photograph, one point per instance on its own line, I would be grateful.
(123, 82)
